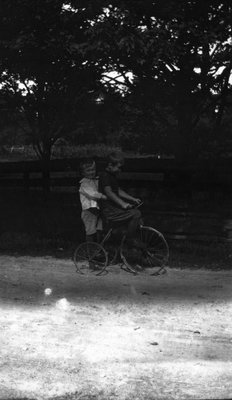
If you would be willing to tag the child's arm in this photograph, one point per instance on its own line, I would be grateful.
(116, 199)
(126, 196)
(90, 193)
(93, 195)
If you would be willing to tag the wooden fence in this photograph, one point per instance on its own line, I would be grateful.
(193, 203)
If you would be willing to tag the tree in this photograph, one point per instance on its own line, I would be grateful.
(168, 62)
(41, 46)
(181, 50)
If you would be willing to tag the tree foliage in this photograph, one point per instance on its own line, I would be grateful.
(152, 71)
(41, 43)
(179, 53)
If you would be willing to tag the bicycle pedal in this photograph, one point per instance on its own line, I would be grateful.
(94, 267)
(132, 270)
(160, 272)
(138, 267)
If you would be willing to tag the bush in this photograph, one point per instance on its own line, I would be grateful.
(88, 150)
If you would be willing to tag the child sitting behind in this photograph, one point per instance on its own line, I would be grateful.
(89, 197)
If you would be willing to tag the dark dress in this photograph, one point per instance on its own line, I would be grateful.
(110, 211)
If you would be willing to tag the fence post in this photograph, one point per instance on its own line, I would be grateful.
(46, 178)
(26, 182)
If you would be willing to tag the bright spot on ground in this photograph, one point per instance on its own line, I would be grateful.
(48, 291)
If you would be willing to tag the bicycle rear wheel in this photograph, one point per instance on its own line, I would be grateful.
(90, 257)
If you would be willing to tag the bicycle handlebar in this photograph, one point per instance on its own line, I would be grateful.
(138, 205)
(134, 205)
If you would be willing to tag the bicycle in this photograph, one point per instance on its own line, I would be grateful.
(152, 256)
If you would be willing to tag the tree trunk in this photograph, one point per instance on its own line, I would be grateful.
(46, 178)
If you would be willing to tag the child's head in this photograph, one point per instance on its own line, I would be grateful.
(115, 162)
(88, 168)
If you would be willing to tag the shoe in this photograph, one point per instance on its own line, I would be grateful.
(93, 266)
(137, 267)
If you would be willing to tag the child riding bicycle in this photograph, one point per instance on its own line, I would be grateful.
(150, 252)
(118, 209)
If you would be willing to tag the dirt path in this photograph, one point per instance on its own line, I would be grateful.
(117, 336)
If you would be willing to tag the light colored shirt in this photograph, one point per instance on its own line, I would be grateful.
(89, 194)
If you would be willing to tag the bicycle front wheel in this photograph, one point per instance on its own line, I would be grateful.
(154, 253)
(90, 257)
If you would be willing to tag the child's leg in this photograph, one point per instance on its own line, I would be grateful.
(89, 220)
(133, 223)
(90, 238)
(99, 227)
(131, 218)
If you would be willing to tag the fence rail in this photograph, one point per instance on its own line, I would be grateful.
(148, 181)
(135, 168)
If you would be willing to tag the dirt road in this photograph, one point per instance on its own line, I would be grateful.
(117, 336)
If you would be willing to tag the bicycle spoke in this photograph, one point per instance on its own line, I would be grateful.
(150, 239)
(160, 246)
(87, 259)
(88, 249)
(155, 254)
(156, 257)
(149, 260)
(143, 236)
